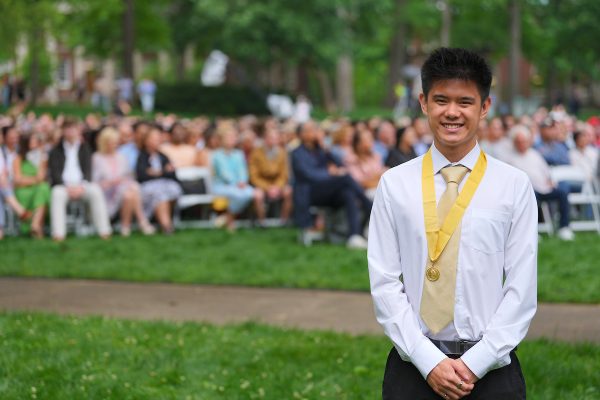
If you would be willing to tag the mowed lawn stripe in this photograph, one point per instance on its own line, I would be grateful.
(266, 257)
(50, 357)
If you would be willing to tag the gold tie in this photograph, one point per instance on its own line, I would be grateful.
(437, 300)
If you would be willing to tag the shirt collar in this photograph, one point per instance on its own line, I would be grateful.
(69, 146)
(440, 161)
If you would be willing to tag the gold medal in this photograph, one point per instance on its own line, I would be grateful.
(432, 273)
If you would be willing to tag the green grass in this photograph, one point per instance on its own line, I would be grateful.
(51, 357)
(567, 271)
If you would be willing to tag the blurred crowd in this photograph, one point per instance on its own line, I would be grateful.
(124, 169)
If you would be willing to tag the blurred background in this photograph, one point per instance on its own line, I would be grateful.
(182, 117)
(356, 57)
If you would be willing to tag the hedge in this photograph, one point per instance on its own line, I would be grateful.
(192, 97)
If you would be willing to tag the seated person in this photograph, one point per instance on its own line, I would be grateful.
(319, 181)
(404, 151)
(385, 136)
(367, 167)
(7, 197)
(533, 164)
(158, 182)
(495, 143)
(268, 167)
(585, 156)
(550, 147)
(31, 189)
(122, 193)
(178, 150)
(128, 146)
(231, 176)
(70, 166)
(342, 144)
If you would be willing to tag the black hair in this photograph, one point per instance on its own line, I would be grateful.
(455, 63)
(23, 148)
(6, 129)
(399, 133)
(137, 124)
(576, 135)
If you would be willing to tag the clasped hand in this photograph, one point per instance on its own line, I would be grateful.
(452, 379)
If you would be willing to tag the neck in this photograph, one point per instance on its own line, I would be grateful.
(309, 145)
(455, 154)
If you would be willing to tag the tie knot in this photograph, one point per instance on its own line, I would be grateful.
(454, 174)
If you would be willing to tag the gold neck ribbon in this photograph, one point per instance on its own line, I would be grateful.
(438, 236)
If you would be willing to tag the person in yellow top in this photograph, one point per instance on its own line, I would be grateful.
(269, 172)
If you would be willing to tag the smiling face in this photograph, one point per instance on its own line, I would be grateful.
(454, 109)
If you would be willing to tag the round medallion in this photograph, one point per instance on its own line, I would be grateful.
(433, 274)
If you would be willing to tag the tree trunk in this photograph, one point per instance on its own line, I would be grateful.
(446, 23)
(180, 66)
(326, 90)
(397, 53)
(344, 83)
(35, 47)
(515, 54)
(128, 38)
(550, 85)
(302, 81)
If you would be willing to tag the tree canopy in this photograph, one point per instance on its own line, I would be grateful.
(558, 36)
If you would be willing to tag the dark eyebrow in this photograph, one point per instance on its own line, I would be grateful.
(439, 97)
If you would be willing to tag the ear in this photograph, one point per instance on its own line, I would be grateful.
(485, 107)
(423, 102)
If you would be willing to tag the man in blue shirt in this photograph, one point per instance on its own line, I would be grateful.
(321, 181)
(553, 150)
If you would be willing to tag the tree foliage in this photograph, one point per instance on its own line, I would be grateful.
(559, 36)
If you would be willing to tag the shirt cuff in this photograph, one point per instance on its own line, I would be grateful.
(426, 356)
(480, 359)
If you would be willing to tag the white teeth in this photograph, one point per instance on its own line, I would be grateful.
(452, 126)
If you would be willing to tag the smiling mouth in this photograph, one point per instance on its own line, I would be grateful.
(452, 127)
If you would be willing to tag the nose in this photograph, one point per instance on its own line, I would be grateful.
(452, 110)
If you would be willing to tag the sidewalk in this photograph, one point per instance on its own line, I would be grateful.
(349, 312)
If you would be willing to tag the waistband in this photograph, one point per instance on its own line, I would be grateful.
(453, 347)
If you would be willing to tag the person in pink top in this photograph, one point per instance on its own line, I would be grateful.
(367, 167)
(111, 171)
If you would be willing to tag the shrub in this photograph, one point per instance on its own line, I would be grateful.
(192, 97)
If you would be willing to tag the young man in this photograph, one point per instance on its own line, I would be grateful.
(70, 169)
(455, 301)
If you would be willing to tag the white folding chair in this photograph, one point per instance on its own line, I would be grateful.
(193, 174)
(589, 195)
(546, 226)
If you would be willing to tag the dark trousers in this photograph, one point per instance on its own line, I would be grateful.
(338, 191)
(403, 381)
(559, 194)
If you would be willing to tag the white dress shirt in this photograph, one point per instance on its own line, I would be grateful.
(72, 174)
(496, 282)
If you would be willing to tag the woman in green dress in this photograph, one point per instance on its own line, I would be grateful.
(31, 189)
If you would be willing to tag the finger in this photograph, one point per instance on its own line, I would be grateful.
(452, 390)
(465, 386)
(449, 396)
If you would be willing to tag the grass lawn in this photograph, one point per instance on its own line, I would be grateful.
(51, 357)
(567, 271)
